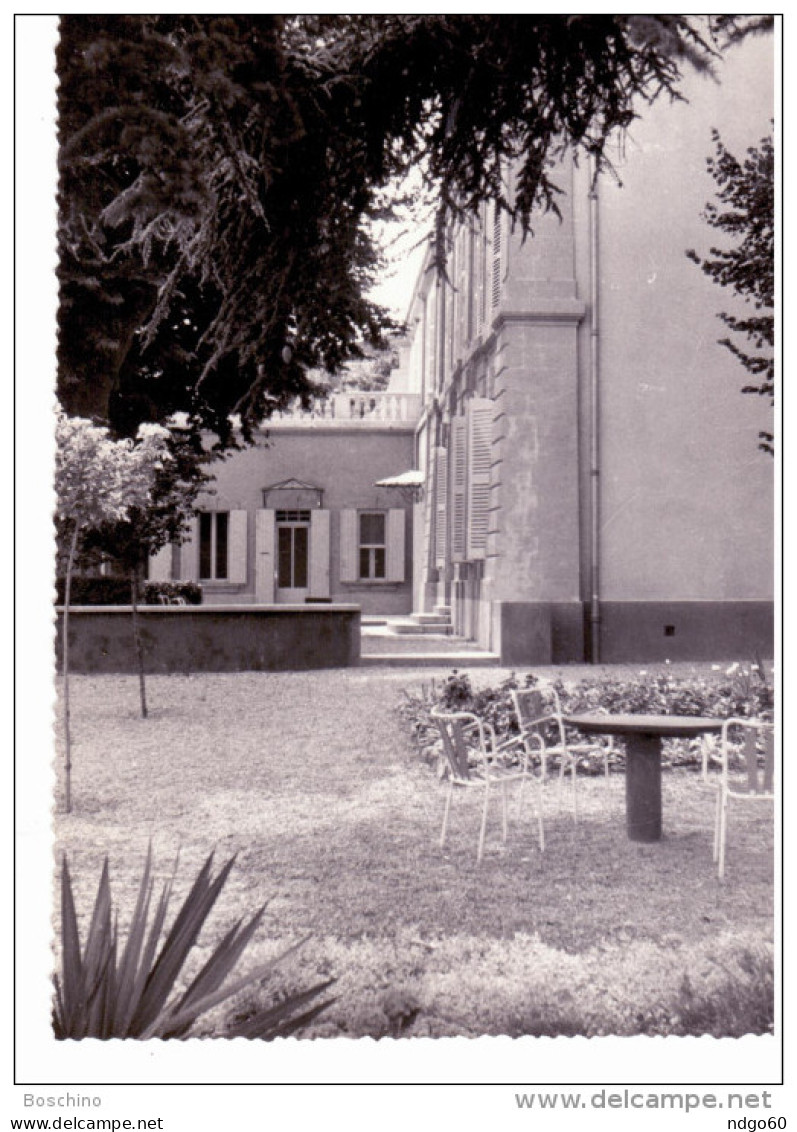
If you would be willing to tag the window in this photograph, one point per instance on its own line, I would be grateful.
(372, 544)
(213, 544)
(216, 550)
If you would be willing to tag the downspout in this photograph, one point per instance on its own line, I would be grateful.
(445, 594)
(594, 468)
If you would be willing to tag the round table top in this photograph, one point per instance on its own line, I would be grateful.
(674, 725)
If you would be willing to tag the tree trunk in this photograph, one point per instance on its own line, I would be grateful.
(137, 640)
(65, 670)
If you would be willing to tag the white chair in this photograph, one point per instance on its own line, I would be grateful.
(475, 759)
(539, 713)
(746, 774)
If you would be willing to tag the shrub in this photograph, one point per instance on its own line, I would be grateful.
(94, 591)
(734, 999)
(116, 591)
(106, 991)
(741, 1002)
(172, 593)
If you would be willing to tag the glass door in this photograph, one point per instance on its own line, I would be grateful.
(293, 557)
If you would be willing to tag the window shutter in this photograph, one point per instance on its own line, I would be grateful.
(459, 479)
(470, 285)
(480, 442)
(430, 350)
(349, 546)
(449, 335)
(264, 556)
(495, 283)
(236, 554)
(459, 325)
(189, 553)
(451, 314)
(396, 529)
(440, 508)
(319, 553)
(483, 249)
(478, 285)
(160, 565)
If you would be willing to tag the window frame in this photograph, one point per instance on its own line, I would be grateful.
(213, 548)
(371, 548)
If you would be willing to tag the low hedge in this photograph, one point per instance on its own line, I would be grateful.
(116, 591)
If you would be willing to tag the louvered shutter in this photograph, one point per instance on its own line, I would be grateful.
(396, 533)
(497, 261)
(478, 318)
(480, 442)
(189, 553)
(430, 351)
(449, 335)
(484, 247)
(349, 546)
(462, 292)
(467, 287)
(160, 565)
(237, 548)
(319, 553)
(264, 555)
(458, 473)
(440, 507)
(451, 314)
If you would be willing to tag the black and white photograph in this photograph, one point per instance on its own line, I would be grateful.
(399, 662)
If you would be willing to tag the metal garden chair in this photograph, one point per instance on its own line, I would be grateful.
(747, 775)
(539, 717)
(475, 760)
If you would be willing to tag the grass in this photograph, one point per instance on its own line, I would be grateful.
(310, 779)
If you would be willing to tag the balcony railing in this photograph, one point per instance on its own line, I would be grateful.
(355, 408)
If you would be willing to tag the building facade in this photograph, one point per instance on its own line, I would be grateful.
(297, 517)
(591, 485)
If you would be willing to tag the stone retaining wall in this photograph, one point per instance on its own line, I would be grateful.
(211, 638)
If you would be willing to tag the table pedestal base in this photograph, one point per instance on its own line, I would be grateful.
(643, 787)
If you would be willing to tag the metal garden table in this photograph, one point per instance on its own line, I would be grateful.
(643, 735)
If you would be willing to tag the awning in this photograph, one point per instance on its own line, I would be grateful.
(411, 478)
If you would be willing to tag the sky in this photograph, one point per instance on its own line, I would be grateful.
(405, 244)
(395, 290)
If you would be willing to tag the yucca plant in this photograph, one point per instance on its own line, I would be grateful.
(104, 994)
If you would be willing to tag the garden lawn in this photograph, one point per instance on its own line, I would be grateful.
(313, 781)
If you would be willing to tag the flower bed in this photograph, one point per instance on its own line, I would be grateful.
(738, 690)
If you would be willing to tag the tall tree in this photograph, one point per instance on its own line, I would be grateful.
(217, 176)
(746, 214)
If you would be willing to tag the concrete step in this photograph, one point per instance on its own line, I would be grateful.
(431, 659)
(431, 618)
(376, 641)
(420, 629)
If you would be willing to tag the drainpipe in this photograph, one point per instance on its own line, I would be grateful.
(445, 596)
(594, 469)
